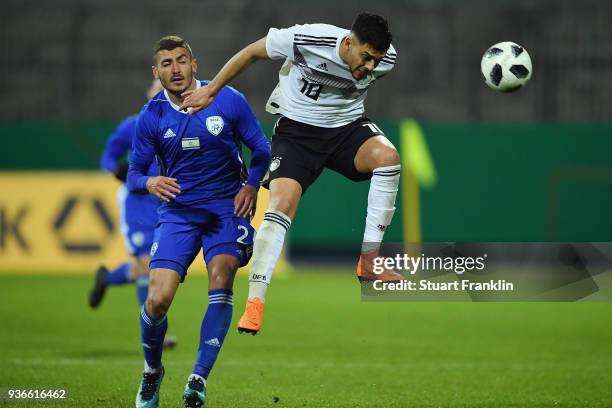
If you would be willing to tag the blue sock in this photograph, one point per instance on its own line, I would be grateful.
(142, 289)
(214, 328)
(153, 331)
(120, 275)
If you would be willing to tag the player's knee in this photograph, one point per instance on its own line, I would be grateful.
(387, 156)
(221, 276)
(221, 280)
(158, 303)
(284, 205)
(285, 194)
(221, 271)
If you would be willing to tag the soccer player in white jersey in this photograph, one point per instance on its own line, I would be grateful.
(323, 83)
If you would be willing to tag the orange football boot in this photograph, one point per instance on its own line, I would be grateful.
(365, 271)
(250, 322)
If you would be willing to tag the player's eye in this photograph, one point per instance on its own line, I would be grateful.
(368, 58)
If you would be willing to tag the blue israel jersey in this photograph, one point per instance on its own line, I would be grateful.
(119, 143)
(138, 211)
(202, 151)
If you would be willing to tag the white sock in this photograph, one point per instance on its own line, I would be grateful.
(194, 375)
(266, 250)
(381, 205)
(148, 369)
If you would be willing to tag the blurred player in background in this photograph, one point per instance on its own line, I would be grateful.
(322, 86)
(209, 197)
(137, 214)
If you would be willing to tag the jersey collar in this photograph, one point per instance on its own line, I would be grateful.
(176, 107)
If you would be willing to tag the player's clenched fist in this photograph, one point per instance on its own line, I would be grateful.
(165, 188)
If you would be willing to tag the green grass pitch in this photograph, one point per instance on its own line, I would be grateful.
(320, 347)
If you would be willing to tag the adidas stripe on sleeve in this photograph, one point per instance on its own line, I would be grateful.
(279, 42)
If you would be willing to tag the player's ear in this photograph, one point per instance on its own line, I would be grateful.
(194, 65)
(348, 40)
(155, 73)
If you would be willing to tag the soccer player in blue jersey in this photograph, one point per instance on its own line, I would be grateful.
(208, 200)
(138, 218)
(137, 212)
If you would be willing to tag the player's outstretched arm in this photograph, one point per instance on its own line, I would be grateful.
(199, 99)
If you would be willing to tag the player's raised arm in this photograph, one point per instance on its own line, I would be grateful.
(199, 99)
(143, 153)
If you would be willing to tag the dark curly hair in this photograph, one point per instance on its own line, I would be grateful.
(169, 43)
(372, 29)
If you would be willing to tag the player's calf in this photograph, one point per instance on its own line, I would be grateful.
(222, 268)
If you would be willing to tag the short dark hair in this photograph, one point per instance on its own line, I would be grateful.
(169, 43)
(372, 29)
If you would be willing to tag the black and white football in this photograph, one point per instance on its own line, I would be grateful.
(506, 67)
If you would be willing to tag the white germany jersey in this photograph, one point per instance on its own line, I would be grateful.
(315, 85)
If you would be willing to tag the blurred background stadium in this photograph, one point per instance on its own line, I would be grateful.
(535, 165)
(531, 166)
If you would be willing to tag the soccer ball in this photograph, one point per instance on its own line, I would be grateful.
(506, 67)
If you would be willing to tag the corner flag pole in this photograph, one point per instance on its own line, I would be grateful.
(417, 170)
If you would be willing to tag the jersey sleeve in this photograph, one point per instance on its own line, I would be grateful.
(252, 135)
(279, 42)
(118, 144)
(143, 151)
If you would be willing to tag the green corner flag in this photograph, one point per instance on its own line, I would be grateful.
(417, 169)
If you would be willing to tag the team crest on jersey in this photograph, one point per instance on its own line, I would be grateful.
(275, 163)
(214, 124)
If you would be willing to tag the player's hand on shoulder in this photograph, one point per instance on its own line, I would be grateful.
(165, 188)
(245, 202)
(197, 99)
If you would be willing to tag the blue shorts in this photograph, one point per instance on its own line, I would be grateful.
(138, 241)
(138, 218)
(179, 239)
